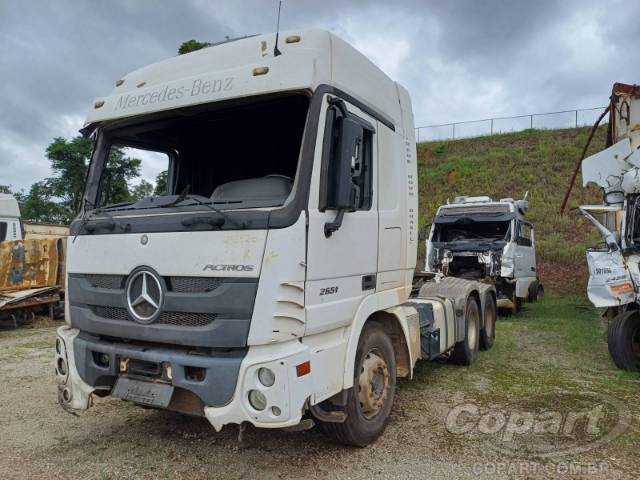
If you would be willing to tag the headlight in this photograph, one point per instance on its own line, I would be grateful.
(266, 377)
(257, 400)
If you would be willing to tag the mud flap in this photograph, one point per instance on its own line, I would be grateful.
(610, 282)
(429, 336)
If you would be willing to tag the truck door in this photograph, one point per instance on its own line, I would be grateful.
(525, 261)
(342, 263)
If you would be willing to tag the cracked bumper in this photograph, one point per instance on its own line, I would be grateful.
(73, 392)
(285, 399)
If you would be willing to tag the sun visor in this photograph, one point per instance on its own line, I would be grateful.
(475, 217)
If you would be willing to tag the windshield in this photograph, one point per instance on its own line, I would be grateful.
(471, 230)
(239, 157)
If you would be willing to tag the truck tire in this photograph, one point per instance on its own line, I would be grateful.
(516, 303)
(488, 332)
(624, 340)
(370, 400)
(465, 351)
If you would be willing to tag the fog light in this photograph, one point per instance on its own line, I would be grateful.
(104, 359)
(58, 346)
(266, 377)
(62, 366)
(257, 400)
(276, 411)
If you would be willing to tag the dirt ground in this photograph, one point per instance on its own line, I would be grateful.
(535, 354)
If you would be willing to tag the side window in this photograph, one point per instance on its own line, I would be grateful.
(361, 171)
(525, 234)
(3, 231)
(347, 152)
(132, 174)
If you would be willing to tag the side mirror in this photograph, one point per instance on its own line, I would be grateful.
(345, 164)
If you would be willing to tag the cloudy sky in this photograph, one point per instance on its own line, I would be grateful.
(460, 59)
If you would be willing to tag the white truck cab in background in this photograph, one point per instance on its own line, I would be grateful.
(10, 226)
(274, 276)
(481, 239)
(614, 273)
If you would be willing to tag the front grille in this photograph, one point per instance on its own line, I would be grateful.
(174, 284)
(180, 319)
(111, 282)
(194, 284)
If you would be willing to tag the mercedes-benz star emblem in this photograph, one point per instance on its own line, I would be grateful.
(145, 295)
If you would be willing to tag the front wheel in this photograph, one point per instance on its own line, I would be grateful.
(370, 400)
(465, 351)
(624, 340)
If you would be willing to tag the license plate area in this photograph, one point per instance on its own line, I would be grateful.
(146, 393)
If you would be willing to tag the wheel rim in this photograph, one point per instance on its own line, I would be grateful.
(373, 384)
(472, 330)
(489, 321)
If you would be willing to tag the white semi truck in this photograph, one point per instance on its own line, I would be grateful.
(614, 274)
(10, 226)
(273, 278)
(480, 239)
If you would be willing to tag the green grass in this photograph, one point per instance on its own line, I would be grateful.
(538, 161)
(553, 353)
(557, 342)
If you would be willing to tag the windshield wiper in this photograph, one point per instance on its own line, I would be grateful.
(114, 205)
(225, 216)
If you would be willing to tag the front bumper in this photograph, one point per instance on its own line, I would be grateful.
(224, 392)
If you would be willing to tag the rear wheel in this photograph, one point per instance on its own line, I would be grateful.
(488, 332)
(624, 340)
(370, 400)
(465, 351)
(516, 303)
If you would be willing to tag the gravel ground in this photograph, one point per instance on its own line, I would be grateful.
(116, 439)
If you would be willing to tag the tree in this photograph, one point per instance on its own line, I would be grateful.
(37, 206)
(69, 162)
(119, 171)
(5, 189)
(192, 46)
(161, 183)
(142, 190)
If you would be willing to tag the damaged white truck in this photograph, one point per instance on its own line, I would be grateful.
(272, 280)
(614, 274)
(491, 241)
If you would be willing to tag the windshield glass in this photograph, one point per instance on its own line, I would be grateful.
(471, 230)
(239, 157)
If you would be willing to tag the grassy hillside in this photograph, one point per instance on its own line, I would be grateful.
(540, 161)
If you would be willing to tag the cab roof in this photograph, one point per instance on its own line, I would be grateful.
(248, 66)
(9, 206)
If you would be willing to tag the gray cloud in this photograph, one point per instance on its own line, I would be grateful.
(460, 60)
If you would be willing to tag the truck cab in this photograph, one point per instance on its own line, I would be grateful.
(273, 275)
(10, 226)
(480, 239)
(614, 273)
